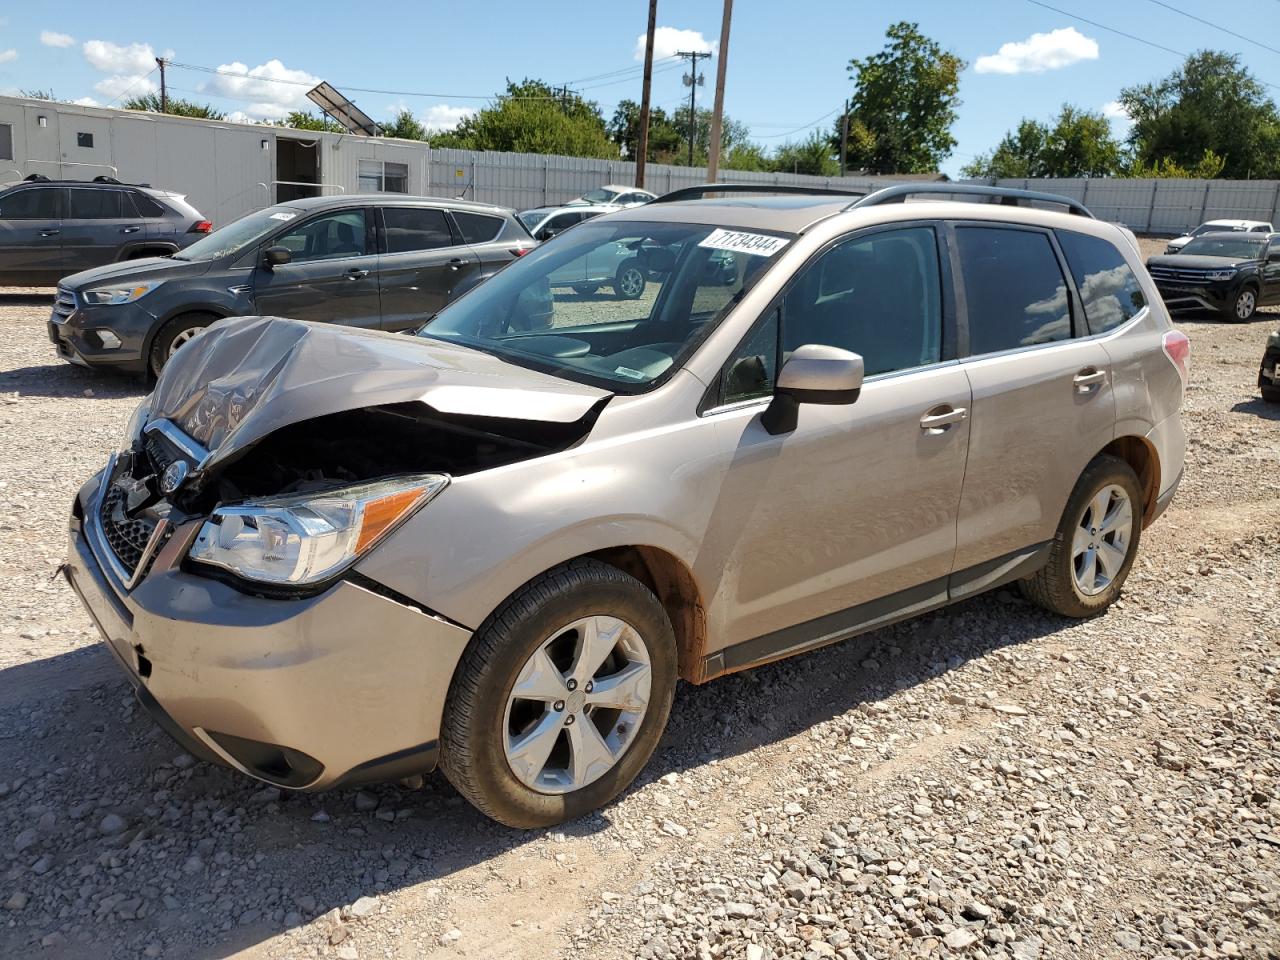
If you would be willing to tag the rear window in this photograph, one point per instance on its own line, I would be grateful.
(1015, 291)
(89, 204)
(1107, 286)
(477, 227)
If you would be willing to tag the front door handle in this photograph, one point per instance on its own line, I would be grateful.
(49, 233)
(130, 229)
(356, 273)
(1089, 378)
(456, 263)
(941, 418)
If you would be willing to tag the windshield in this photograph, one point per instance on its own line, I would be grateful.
(1214, 228)
(238, 234)
(614, 304)
(599, 196)
(1237, 247)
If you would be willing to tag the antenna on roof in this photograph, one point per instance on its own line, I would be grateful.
(343, 111)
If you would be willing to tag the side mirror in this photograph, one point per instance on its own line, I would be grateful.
(276, 256)
(814, 373)
(547, 233)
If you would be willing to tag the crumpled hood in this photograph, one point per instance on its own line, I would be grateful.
(246, 377)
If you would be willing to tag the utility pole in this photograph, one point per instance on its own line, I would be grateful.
(693, 80)
(844, 138)
(717, 112)
(164, 90)
(642, 149)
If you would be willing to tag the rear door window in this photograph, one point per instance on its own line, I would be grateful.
(89, 204)
(1015, 292)
(1107, 286)
(477, 227)
(33, 203)
(415, 228)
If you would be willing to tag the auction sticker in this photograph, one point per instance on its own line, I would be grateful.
(283, 215)
(757, 244)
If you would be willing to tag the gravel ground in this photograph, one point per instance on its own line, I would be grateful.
(985, 781)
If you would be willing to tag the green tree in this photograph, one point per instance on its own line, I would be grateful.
(904, 104)
(746, 156)
(178, 107)
(811, 155)
(1078, 144)
(532, 117)
(40, 94)
(664, 139)
(1208, 167)
(1209, 103)
(405, 126)
(304, 120)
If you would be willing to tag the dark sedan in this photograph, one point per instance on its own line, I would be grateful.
(1231, 274)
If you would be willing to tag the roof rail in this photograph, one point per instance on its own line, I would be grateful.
(899, 193)
(700, 191)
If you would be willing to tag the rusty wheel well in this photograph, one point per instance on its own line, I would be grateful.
(673, 585)
(1140, 455)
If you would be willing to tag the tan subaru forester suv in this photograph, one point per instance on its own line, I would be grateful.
(326, 555)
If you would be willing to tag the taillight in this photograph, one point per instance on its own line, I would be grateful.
(201, 226)
(1177, 348)
(518, 251)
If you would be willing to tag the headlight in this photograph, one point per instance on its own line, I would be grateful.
(137, 420)
(304, 539)
(135, 291)
(1221, 274)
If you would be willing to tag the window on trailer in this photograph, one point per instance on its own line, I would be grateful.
(6, 141)
(381, 176)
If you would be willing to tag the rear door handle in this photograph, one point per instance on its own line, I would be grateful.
(941, 418)
(130, 229)
(356, 273)
(1088, 378)
(456, 263)
(49, 233)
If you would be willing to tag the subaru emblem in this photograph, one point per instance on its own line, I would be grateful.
(175, 474)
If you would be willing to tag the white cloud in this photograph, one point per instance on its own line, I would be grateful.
(120, 86)
(1114, 110)
(7, 55)
(1040, 52)
(668, 41)
(51, 38)
(86, 102)
(442, 116)
(272, 88)
(136, 58)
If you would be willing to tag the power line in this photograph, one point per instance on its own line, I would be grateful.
(1129, 36)
(812, 123)
(1210, 23)
(136, 81)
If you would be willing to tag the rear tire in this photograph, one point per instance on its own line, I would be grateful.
(1271, 394)
(1086, 570)
(538, 638)
(585, 289)
(173, 335)
(629, 282)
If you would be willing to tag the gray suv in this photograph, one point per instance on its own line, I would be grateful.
(50, 228)
(324, 556)
(382, 262)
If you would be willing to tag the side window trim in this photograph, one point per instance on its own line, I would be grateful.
(949, 304)
(1074, 308)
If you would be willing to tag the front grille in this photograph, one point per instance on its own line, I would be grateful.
(1181, 274)
(65, 304)
(160, 451)
(126, 536)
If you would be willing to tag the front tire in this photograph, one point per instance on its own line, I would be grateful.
(561, 697)
(1245, 306)
(1095, 544)
(173, 335)
(629, 282)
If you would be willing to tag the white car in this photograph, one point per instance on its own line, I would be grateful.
(1219, 226)
(615, 195)
(543, 223)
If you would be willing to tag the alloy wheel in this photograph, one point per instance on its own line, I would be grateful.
(632, 282)
(183, 337)
(1245, 304)
(576, 705)
(1102, 539)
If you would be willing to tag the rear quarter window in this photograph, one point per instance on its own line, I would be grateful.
(477, 227)
(147, 207)
(1107, 286)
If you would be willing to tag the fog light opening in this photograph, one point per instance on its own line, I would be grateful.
(144, 665)
(108, 339)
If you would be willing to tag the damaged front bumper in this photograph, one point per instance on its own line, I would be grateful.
(345, 686)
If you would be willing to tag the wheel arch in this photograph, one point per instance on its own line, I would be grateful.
(218, 311)
(1142, 456)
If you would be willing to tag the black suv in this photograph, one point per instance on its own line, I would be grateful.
(1231, 274)
(50, 228)
(383, 262)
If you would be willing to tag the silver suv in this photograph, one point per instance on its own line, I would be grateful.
(325, 555)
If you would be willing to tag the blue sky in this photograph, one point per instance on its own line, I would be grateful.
(786, 64)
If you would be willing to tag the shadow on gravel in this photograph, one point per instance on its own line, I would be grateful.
(210, 862)
(68, 380)
(1258, 407)
(26, 299)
